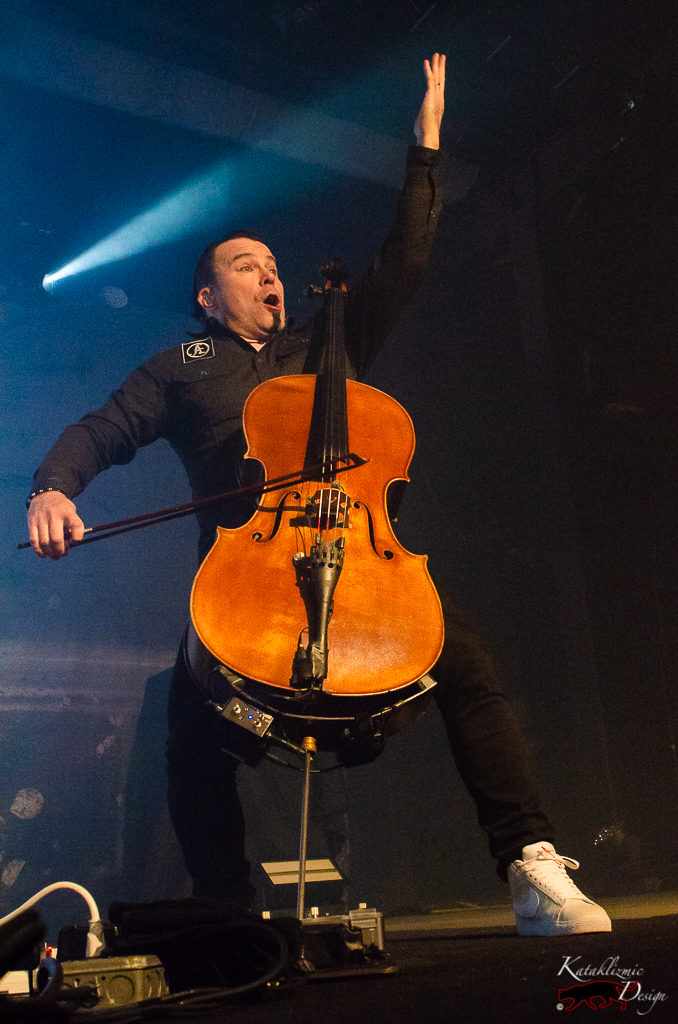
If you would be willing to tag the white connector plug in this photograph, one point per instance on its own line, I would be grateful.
(95, 934)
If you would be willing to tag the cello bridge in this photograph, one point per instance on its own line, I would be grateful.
(327, 509)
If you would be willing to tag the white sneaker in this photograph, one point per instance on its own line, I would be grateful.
(546, 900)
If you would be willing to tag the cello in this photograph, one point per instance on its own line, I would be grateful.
(313, 610)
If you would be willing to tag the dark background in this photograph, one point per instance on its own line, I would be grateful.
(538, 361)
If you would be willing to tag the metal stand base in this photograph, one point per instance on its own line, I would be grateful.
(346, 945)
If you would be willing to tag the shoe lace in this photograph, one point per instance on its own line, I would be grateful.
(548, 868)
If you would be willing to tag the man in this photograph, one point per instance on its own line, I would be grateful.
(193, 396)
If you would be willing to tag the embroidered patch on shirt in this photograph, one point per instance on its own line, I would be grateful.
(203, 348)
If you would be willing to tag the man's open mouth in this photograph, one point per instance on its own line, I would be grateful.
(272, 301)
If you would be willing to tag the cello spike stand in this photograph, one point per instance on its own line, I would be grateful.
(358, 935)
(309, 746)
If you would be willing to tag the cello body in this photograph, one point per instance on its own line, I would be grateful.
(248, 604)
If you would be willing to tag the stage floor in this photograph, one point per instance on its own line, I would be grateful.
(470, 966)
(471, 919)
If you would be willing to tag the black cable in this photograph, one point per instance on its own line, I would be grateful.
(209, 1000)
(187, 1003)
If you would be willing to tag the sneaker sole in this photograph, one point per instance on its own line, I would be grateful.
(544, 929)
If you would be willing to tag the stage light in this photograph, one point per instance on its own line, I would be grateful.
(189, 209)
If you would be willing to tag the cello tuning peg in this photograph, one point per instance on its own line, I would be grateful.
(335, 270)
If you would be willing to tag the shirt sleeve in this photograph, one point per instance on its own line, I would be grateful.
(132, 417)
(375, 303)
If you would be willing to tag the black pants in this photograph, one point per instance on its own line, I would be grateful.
(486, 744)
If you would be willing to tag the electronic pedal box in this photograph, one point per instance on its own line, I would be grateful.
(344, 945)
(113, 981)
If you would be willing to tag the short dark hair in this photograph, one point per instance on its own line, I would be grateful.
(204, 271)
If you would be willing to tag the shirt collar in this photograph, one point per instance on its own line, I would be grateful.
(286, 340)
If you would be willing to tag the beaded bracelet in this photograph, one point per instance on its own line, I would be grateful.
(43, 490)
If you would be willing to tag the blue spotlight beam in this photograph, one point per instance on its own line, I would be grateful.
(188, 209)
(98, 72)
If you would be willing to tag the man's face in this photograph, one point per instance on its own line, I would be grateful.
(247, 295)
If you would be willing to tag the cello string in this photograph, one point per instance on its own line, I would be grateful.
(304, 531)
(328, 503)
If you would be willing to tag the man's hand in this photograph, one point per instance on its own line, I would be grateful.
(427, 125)
(53, 523)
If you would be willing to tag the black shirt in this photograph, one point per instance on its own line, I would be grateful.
(193, 394)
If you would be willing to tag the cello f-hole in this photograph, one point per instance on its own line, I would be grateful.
(281, 507)
(385, 554)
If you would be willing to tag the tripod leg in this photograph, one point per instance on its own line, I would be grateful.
(309, 746)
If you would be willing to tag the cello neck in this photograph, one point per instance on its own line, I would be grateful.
(328, 440)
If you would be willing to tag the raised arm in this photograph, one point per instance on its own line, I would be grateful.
(430, 116)
(377, 299)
